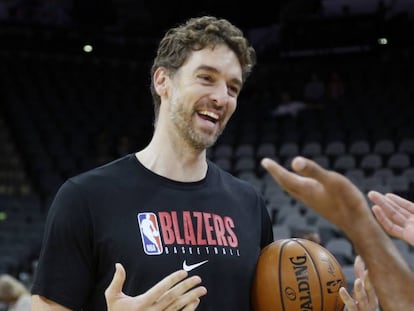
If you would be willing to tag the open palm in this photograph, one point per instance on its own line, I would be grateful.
(395, 214)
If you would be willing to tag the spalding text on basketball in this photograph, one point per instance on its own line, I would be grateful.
(302, 277)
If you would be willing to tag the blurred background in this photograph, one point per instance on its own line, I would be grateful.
(334, 82)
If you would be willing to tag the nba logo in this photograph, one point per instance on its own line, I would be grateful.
(150, 233)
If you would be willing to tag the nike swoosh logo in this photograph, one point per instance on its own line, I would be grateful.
(192, 267)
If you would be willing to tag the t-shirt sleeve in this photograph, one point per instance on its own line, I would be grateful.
(267, 229)
(64, 271)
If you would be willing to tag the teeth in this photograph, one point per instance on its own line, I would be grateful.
(210, 114)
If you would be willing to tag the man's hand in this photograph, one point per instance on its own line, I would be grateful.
(174, 292)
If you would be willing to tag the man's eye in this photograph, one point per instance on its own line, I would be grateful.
(206, 78)
(234, 90)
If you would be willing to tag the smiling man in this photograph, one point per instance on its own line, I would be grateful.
(183, 233)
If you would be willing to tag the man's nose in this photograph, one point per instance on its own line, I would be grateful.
(220, 95)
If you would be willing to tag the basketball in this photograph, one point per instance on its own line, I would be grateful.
(297, 274)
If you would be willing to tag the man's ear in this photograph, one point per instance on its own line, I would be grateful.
(160, 81)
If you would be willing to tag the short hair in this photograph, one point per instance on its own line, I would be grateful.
(194, 35)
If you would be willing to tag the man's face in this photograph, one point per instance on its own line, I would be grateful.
(203, 95)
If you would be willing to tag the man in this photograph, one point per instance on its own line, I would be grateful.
(334, 197)
(166, 208)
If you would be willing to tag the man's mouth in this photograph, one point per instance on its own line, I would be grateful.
(209, 116)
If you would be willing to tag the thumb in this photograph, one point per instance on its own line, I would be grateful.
(309, 168)
(115, 288)
(300, 165)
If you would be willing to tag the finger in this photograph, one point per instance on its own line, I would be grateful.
(289, 181)
(394, 215)
(187, 300)
(283, 177)
(359, 267)
(393, 210)
(115, 288)
(192, 306)
(408, 235)
(406, 204)
(179, 295)
(159, 289)
(360, 294)
(320, 178)
(390, 227)
(309, 168)
(349, 302)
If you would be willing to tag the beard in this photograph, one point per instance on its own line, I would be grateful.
(183, 122)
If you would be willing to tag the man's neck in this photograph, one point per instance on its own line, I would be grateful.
(171, 162)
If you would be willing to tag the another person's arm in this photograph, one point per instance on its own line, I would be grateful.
(334, 197)
(395, 214)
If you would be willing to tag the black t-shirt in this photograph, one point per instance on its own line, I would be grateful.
(123, 212)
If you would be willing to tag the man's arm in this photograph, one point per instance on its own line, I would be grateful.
(40, 303)
(175, 292)
(334, 197)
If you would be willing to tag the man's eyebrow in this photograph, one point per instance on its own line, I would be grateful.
(214, 70)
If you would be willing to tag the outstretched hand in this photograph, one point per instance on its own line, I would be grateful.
(395, 214)
(328, 193)
(174, 292)
(363, 297)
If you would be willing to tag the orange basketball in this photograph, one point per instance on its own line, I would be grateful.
(297, 274)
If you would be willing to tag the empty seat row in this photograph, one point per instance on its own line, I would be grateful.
(358, 148)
